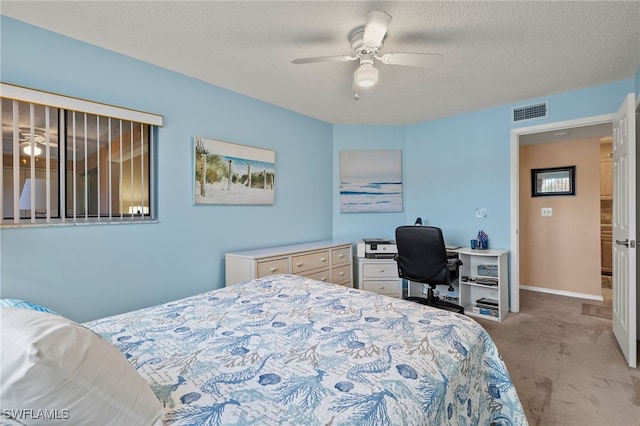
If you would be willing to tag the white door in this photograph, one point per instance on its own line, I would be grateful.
(624, 230)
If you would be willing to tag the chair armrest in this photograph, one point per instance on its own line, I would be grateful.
(454, 263)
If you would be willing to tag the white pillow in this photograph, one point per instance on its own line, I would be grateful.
(52, 363)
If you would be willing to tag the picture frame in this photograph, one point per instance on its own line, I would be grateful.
(371, 181)
(553, 181)
(229, 173)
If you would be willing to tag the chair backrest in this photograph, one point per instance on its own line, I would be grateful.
(422, 254)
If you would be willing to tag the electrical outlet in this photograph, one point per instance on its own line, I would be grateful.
(546, 211)
(481, 212)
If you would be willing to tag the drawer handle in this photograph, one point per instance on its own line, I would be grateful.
(341, 274)
(323, 279)
(381, 287)
(299, 264)
(323, 259)
(381, 270)
(341, 256)
(273, 269)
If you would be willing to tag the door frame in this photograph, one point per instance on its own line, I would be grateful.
(514, 274)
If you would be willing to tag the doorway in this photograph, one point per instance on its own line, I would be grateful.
(598, 126)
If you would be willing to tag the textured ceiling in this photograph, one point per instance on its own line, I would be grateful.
(493, 52)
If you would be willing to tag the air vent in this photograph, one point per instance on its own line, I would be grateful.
(529, 112)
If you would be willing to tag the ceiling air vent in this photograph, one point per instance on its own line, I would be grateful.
(528, 112)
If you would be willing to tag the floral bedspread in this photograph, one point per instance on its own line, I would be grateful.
(293, 351)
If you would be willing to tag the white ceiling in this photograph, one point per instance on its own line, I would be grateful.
(494, 52)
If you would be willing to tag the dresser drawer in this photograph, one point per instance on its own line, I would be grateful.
(341, 274)
(318, 259)
(318, 275)
(308, 262)
(386, 287)
(341, 256)
(377, 270)
(267, 267)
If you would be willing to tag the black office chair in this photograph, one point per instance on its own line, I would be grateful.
(422, 258)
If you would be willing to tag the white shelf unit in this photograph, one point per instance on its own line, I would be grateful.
(470, 291)
(321, 260)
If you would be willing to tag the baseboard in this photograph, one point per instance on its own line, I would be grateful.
(562, 293)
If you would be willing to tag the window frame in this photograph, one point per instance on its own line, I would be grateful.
(67, 105)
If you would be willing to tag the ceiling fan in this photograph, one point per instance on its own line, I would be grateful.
(366, 43)
(39, 140)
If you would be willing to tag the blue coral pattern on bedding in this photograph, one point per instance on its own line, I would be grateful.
(293, 351)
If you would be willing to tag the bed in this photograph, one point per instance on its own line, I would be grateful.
(294, 351)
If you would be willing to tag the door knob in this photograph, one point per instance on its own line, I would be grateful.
(627, 243)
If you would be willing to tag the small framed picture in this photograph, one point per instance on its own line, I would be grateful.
(553, 181)
(228, 173)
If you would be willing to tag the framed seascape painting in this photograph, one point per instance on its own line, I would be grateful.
(371, 181)
(228, 173)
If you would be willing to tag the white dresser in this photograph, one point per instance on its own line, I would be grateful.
(321, 260)
(379, 276)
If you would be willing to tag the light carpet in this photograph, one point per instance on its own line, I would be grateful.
(566, 366)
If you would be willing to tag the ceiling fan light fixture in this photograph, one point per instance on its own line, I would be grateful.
(36, 150)
(366, 75)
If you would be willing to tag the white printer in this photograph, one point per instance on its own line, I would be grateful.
(377, 248)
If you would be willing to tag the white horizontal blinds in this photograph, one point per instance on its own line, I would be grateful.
(16, 162)
(142, 179)
(74, 173)
(152, 188)
(25, 162)
(32, 163)
(125, 190)
(99, 192)
(120, 176)
(131, 180)
(62, 208)
(47, 124)
(1, 165)
(109, 190)
(67, 152)
(86, 171)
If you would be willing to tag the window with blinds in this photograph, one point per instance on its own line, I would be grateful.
(66, 160)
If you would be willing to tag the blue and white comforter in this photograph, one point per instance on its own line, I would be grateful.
(294, 351)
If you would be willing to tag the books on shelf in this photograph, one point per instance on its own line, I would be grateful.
(487, 301)
(487, 281)
(486, 310)
(486, 306)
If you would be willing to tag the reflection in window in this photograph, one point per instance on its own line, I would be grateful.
(62, 165)
(107, 166)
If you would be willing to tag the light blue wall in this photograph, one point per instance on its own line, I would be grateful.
(92, 271)
(453, 165)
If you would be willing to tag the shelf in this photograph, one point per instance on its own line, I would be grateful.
(470, 291)
(473, 283)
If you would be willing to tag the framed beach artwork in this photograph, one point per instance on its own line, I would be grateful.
(371, 181)
(228, 173)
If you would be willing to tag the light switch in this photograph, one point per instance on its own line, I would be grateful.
(546, 211)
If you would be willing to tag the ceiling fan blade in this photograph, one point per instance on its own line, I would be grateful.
(376, 28)
(316, 59)
(410, 59)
